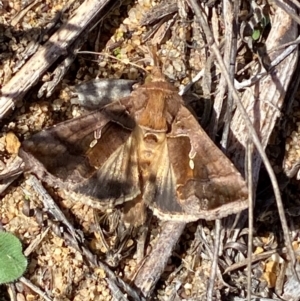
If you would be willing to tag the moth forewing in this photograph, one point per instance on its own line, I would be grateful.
(212, 187)
(63, 147)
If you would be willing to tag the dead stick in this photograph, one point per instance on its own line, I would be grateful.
(47, 54)
(155, 264)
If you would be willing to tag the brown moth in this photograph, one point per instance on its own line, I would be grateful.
(145, 150)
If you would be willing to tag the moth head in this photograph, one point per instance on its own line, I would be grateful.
(155, 76)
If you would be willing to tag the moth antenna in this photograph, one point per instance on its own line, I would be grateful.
(155, 73)
(152, 49)
(126, 62)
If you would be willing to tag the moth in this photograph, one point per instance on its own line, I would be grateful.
(144, 150)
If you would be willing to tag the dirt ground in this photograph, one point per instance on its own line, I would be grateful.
(120, 47)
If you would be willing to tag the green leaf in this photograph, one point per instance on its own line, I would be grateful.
(13, 263)
(117, 51)
(256, 34)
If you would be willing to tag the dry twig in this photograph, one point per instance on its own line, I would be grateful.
(48, 54)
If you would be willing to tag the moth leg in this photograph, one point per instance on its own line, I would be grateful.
(110, 225)
(121, 249)
(143, 232)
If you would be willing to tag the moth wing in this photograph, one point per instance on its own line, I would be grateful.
(194, 179)
(116, 180)
(102, 175)
(160, 189)
(62, 149)
(208, 185)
